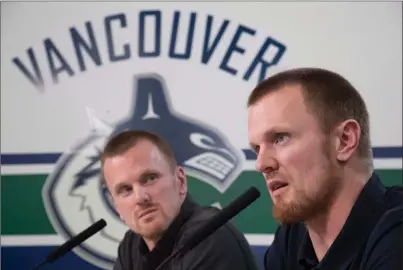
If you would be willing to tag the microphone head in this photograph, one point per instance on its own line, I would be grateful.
(242, 201)
(76, 240)
(253, 192)
(100, 224)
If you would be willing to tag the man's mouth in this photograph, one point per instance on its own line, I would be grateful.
(146, 212)
(276, 186)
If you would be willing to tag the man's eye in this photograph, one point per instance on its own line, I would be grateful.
(280, 137)
(149, 178)
(124, 190)
(152, 177)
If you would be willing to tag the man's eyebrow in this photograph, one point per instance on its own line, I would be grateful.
(269, 135)
(119, 186)
(142, 176)
(252, 146)
(147, 172)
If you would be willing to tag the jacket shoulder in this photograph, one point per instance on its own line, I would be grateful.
(125, 251)
(392, 215)
(393, 197)
(126, 246)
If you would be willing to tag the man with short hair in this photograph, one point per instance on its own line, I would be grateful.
(149, 191)
(310, 130)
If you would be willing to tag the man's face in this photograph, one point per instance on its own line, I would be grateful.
(293, 154)
(146, 191)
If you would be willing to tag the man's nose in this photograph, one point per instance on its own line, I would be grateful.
(266, 161)
(141, 195)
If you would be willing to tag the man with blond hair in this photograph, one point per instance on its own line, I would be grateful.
(310, 130)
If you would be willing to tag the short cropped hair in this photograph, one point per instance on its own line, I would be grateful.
(125, 140)
(329, 96)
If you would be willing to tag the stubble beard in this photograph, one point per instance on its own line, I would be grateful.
(308, 206)
(304, 207)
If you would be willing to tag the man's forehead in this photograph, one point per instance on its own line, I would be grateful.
(285, 103)
(135, 165)
(284, 97)
(279, 110)
(143, 151)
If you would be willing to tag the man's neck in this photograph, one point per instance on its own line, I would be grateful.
(324, 229)
(151, 243)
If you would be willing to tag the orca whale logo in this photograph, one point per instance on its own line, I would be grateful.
(201, 149)
(74, 197)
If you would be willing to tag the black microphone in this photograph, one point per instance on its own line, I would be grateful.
(73, 242)
(219, 219)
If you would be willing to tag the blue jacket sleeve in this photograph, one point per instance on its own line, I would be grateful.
(385, 246)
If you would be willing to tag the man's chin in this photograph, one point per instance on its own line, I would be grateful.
(152, 229)
(289, 213)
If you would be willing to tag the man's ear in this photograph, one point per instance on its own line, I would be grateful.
(347, 139)
(182, 180)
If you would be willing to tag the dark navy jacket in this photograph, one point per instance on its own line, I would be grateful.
(371, 239)
(225, 249)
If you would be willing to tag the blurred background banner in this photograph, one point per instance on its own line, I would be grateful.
(74, 73)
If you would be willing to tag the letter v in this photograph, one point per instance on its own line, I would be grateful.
(208, 51)
(36, 79)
